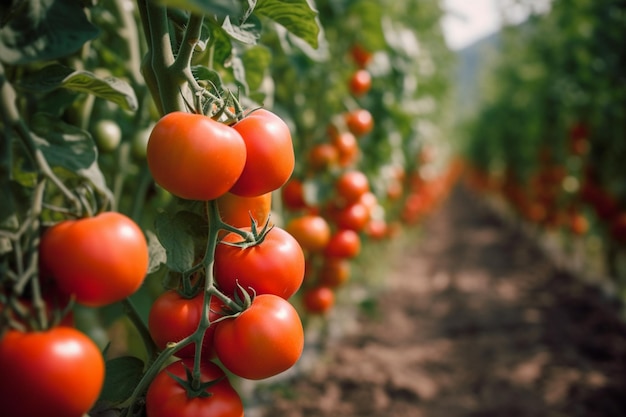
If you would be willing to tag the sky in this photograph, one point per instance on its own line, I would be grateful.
(468, 21)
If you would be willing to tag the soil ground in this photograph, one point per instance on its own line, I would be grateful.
(475, 321)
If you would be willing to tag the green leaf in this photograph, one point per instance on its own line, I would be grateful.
(40, 30)
(122, 376)
(70, 148)
(158, 256)
(183, 236)
(247, 33)
(219, 8)
(207, 75)
(256, 61)
(57, 76)
(296, 16)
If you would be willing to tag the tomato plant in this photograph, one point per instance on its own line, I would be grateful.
(215, 397)
(194, 157)
(270, 159)
(273, 266)
(99, 260)
(61, 368)
(264, 340)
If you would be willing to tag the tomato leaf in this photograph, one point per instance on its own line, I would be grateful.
(70, 148)
(219, 8)
(210, 76)
(248, 33)
(38, 30)
(296, 16)
(256, 61)
(183, 236)
(122, 376)
(57, 76)
(158, 255)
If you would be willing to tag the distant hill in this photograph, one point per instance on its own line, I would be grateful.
(471, 62)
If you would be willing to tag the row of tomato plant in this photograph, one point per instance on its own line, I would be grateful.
(549, 136)
(173, 173)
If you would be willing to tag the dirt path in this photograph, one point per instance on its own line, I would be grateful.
(476, 323)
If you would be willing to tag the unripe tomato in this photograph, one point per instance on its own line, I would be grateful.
(107, 135)
(360, 122)
(264, 340)
(360, 82)
(99, 260)
(318, 300)
(271, 160)
(57, 372)
(311, 231)
(194, 157)
(274, 266)
(166, 397)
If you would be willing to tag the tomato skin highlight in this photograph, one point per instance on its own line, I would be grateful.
(195, 157)
(100, 260)
(264, 340)
(274, 266)
(53, 373)
(167, 398)
(270, 156)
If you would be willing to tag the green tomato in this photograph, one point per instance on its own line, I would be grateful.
(107, 135)
(139, 143)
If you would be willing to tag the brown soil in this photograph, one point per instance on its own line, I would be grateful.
(475, 321)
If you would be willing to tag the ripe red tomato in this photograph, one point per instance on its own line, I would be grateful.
(100, 259)
(360, 55)
(274, 266)
(293, 195)
(166, 397)
(334, 272)
(318, 300)
(351, 186)
(194, 157)
(264, 340)
(377, 229)
(360, 82)
(58, 372)
(354, 217)
(271, 160)
(236, 210)
(360, 122)
(343, 244)
(311, 231)
(323, 156)
(173, 317)
(347, 148)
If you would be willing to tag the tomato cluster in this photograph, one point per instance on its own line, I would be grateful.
(234, 307)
